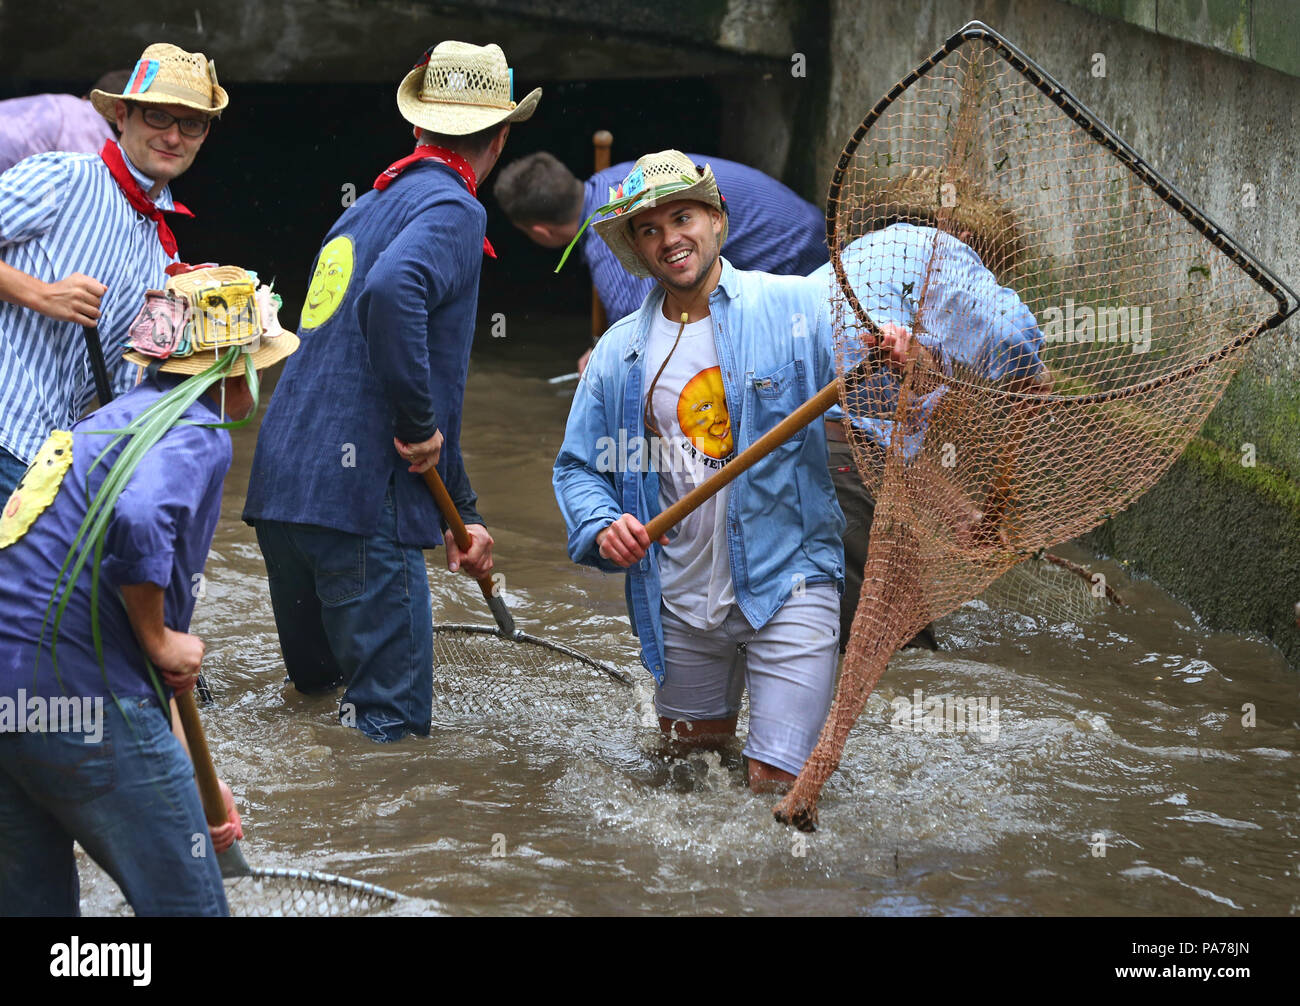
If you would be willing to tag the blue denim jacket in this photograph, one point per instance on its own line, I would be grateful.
(773, 339)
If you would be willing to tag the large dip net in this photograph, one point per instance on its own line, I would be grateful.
(1078, 320)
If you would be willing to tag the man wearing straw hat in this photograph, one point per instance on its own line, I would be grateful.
(90, 657)
(770, 229)
(82, 236)
(336, 495)
(745, 593)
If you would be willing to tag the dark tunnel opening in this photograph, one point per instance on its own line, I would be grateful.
(276, 168)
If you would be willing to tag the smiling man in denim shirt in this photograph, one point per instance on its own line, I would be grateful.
(744, 593)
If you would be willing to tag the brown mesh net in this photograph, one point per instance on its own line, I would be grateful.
(1077, 318)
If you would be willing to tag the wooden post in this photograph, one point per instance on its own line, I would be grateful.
(600, 143)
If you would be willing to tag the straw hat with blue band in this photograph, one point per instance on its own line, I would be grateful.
(166, 74)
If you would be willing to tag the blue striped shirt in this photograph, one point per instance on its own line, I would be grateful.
(770, 230)
(59, 214)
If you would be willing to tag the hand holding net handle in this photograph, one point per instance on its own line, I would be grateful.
(757, 451)
(214, 808)
(232, 861)
(505, 621)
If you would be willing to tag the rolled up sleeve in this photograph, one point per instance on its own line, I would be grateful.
(586, 470)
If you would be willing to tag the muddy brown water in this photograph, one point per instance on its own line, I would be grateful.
(1138, 763)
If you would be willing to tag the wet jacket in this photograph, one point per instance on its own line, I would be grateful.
(388, 359)
(773, 339)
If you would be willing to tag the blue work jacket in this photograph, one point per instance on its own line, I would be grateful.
(386, 337)
(784, 524)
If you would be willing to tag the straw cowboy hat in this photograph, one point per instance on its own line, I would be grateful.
(664, 177)
(223, 308)
(166, 74)
(267, 353)
(924, 196)
(459, 88)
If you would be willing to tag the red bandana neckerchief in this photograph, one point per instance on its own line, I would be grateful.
(442, 155)
(138, 198)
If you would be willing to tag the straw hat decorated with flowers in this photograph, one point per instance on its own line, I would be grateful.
(667, 176)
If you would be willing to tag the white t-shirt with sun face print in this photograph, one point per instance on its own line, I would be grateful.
(695, 441)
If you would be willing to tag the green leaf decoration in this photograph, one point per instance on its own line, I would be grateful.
(142, 434)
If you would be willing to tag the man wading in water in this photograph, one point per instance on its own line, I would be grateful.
(374, 399)
(119, 780)
(82, 236)
(745, 594)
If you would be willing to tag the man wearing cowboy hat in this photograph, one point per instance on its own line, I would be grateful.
(769, 227)
(115, 775)
(82, 236)
(336, 494)
(745, 593)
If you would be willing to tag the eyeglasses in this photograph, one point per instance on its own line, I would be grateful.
(156, 118)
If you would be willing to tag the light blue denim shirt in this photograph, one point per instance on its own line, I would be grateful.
(773, 339)
(967, 319)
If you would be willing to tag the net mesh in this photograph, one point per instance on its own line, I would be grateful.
(1044, 589)
(287, 893)
(1075, 331)
(480, 673)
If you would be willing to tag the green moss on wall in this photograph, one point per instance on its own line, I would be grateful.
(1221, 536)
(1264, 411)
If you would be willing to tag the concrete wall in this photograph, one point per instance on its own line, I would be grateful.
(1223, 536)
(287, 41)
(1265, 31)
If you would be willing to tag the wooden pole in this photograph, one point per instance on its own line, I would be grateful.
(600, 142)
(505, 621)
(232, 861)
(214, 807)
(753, 454)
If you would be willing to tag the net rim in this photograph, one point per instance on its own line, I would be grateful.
(330, 879)
(1164, 190)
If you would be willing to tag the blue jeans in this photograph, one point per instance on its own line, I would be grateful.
(355, 611)
(131, 802)
(11, 470)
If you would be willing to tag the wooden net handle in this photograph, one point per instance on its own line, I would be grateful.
(601, 141)
(505, 621)
(214, 807)
(756, 452)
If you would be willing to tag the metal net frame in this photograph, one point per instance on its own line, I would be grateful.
(281, 892)
(1078, 319)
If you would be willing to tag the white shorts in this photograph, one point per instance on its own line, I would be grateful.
(788, 667)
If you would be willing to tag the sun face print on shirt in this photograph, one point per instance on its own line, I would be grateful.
(328, 283)
(703, 417)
